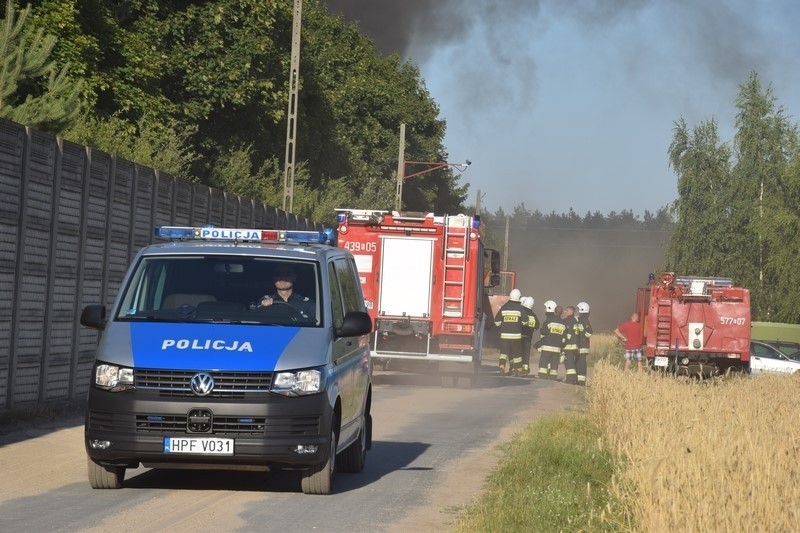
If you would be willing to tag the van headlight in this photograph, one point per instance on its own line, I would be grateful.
(113, 378)
(298, 383)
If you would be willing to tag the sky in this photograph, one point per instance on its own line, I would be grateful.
(571, 104)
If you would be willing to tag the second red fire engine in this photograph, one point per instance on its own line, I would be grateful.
(695, 326)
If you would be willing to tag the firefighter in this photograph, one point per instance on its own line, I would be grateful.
(560, 312)
(551, 344)
(511, 318)
(584, 334)
(571, 345)
(527, 334)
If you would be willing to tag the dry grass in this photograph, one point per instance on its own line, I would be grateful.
(606, 347)
(701, 456)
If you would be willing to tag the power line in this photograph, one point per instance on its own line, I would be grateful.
(567, 228)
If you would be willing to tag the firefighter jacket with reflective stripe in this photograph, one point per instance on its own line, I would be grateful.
(533, 325)
(584, 332)
(571, 341)
(511, 319)
(554, 334)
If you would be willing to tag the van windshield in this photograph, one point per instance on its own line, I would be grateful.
(223, 289)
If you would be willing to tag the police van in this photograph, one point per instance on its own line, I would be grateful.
(204, 362)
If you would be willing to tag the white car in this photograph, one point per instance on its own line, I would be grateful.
(767, 358)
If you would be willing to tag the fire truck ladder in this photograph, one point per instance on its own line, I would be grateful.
(456, 245)
(663, 324)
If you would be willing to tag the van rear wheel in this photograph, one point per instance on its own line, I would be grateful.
(319, 478)
(105, 477)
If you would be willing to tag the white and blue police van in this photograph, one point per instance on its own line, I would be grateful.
(204, 363)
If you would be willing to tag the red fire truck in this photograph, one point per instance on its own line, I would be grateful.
(423, 281)
(695, 326)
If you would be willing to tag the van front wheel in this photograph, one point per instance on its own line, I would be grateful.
(105, 477)
(319, 478)
(352, 459)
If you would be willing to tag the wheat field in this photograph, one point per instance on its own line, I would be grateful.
(716, 455)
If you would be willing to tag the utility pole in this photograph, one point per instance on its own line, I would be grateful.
(401, 169)
(291, 114)
(429, 166)
(478, 202)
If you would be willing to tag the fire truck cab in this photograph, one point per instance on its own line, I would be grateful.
(423, 279)
(696, 326)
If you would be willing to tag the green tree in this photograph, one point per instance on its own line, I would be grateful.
(699, 244)
(163, 145)
(780, 228)
(214, 73)
(224, 66)
(88, 39)
(737, 210)
(764, 142)
(33, 90)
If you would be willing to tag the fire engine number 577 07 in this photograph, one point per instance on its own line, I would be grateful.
(356, 246)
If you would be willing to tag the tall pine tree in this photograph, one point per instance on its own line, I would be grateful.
(33, 91)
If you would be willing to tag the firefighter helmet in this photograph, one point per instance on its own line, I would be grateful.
(550, 306)
(527, 302)
(514, 295)
(583, 308)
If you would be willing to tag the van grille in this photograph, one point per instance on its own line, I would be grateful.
(230, 425)
(153, 424)
(175, 383)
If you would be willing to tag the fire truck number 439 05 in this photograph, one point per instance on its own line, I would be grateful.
(358, 246)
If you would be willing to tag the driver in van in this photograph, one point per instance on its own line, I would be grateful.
(284, 277)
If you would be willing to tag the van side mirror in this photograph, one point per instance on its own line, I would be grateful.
(94, 316)
(355, 324)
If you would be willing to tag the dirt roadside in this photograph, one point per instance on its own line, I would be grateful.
(465, 478)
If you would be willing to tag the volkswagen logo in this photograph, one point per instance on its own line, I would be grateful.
(202, 384)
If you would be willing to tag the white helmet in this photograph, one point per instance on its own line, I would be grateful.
(527, 301)
(514, 295)
(550, 306)
(583, 308)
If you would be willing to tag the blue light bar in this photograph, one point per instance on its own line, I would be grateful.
(315, 237)
(210, 233)
(174, 232)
